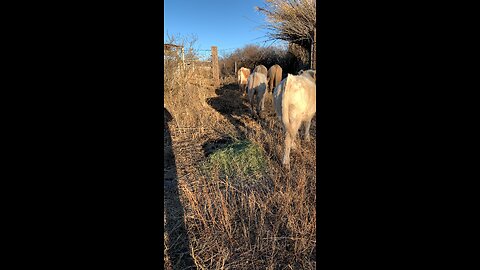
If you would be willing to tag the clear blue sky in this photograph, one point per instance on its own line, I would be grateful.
(226, 24)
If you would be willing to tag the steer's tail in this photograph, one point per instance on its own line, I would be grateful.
(251, 95)
(254, 87)
(278, 78)
(285, 105)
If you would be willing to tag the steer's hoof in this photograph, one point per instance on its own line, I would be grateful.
(294, 146)
(286, 164)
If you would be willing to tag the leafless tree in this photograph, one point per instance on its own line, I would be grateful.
(291, 20)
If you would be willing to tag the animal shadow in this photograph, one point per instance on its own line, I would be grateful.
(230, 103)
(212, 145)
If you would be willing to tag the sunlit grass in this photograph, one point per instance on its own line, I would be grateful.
(241, 158)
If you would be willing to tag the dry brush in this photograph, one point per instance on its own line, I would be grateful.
(242, 210)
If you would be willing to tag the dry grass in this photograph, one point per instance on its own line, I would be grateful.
(263, 219)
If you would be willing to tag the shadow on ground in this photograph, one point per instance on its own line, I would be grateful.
(212, 145)
(233, 105)
(178, 241)
(230, 104)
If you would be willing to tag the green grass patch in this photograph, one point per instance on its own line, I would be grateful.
(240, 158)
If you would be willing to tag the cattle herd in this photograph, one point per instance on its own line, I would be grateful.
(294, 99)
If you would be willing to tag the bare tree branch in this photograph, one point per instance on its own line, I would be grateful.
(290, 20)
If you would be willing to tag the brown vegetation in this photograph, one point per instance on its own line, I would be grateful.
(251, 56)
(291, 59)
(241, 218)
(291, 20)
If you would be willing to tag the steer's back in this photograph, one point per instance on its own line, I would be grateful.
(297, 95)
(256, 80)
(274, 76)
(261, 69)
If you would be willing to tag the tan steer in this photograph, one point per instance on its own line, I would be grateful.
(257, 85)
(262, 69)
(295, 103)
(242, 76)
(274, 77)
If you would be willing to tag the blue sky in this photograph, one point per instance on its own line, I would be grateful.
(227, 24)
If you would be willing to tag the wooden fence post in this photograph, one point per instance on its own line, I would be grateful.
(215, 73)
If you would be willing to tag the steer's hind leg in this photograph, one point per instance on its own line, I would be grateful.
(264, 96)
(286, 153)
(251, 100)
(261, 103)
(294, 132)
(307, 129)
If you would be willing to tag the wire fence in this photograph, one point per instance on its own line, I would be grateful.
(202, 57)
(206, 54)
